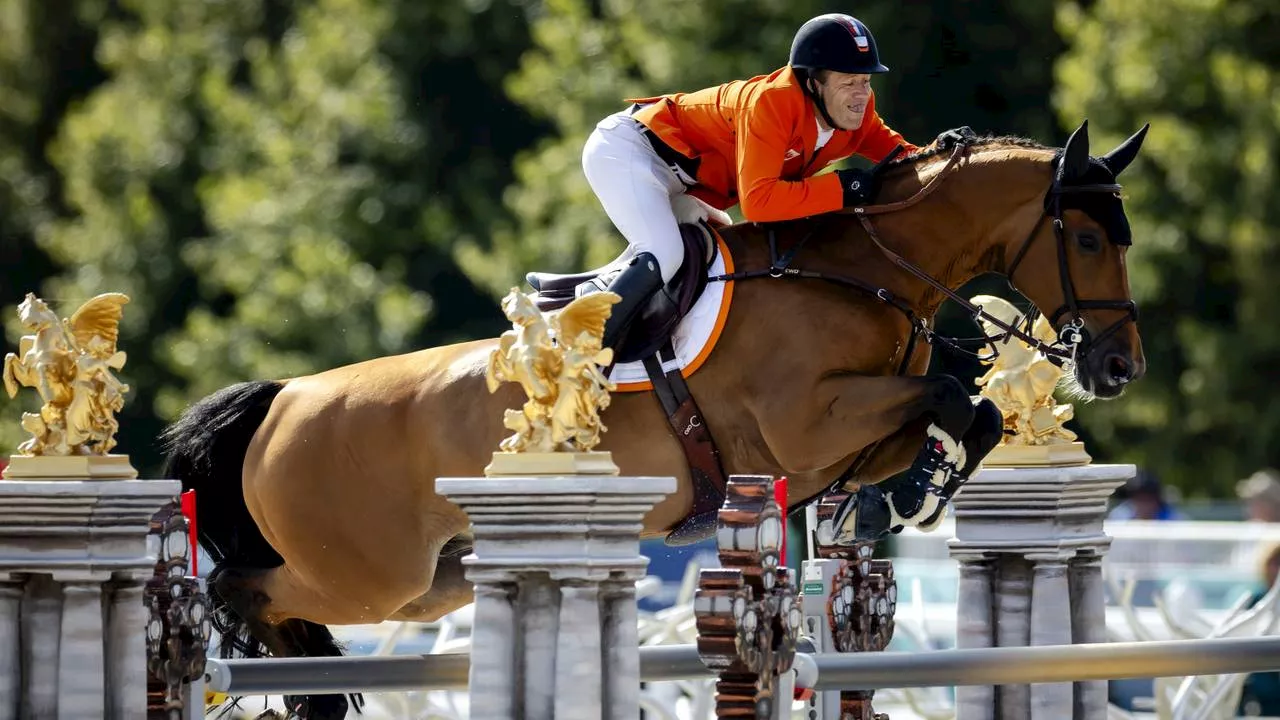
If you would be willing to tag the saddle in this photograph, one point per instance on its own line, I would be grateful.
(658, 318)
(648, 339)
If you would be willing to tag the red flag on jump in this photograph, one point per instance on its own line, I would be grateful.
(780, 494)
(189, 511)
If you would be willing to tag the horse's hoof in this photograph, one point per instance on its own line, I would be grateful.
(864, 516)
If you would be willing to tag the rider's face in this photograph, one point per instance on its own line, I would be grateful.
(846, 97)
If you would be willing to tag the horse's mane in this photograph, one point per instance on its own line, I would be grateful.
(931, 152)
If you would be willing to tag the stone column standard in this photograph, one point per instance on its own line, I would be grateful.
(10, 640)
(126, 667)
(82, 667)
(1031, 523)
(82, 646)
(1089, 625)
(1050, 625)
(974, 630)
(581, 535)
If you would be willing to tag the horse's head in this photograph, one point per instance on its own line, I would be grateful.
(1072, 265)
(35, 315)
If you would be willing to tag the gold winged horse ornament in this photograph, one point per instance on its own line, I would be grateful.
(71, 364)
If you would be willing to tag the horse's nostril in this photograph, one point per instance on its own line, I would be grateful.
(1118, 369)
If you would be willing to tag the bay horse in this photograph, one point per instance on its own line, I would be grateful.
(316, 494)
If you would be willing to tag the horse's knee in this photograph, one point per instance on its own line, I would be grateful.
(949, 404)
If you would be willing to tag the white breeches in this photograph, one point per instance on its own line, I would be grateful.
(636, 189)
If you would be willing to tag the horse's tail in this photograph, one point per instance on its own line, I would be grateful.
(205, 449)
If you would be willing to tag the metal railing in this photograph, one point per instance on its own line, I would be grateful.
(854, 671)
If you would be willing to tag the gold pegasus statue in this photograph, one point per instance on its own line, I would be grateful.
(556, 358)
(1021, 381)
(71, 364)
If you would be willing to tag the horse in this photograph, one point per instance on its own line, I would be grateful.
(316, 494)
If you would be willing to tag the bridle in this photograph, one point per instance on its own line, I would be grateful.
(1073, 334)
(1073, 340)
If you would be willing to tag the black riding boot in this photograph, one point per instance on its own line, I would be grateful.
(635, 285)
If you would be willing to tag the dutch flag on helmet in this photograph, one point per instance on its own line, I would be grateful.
(855, 29)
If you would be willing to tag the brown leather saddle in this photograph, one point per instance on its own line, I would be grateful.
(648, 339)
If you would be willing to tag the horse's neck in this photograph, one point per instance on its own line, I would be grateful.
(965, 226)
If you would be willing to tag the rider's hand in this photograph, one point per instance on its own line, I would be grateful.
(859, 186)
(950, 138)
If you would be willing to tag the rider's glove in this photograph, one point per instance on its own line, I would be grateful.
(950, 138)
(858, 185)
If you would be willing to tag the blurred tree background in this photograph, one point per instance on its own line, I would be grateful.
(287, 185)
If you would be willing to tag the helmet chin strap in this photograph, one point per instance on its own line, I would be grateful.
(817, 100)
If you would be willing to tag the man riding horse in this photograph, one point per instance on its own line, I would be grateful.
(317, 500)
(760, 143)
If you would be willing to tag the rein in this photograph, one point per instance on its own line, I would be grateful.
(1070, 340)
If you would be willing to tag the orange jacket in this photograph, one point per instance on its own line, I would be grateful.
(752, 142)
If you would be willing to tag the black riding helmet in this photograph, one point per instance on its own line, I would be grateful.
(837, 42)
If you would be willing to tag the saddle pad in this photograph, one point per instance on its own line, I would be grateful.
(695, 335)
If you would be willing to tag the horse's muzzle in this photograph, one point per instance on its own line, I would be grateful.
(1110, 366)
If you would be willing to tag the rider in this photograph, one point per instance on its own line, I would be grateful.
(758, 142)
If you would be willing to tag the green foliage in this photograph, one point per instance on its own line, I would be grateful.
(1202, 200)
(278, 186)
(45, 65)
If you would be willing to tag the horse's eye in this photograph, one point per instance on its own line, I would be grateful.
(1089, 242)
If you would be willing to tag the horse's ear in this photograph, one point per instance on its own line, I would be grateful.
(1117, 160)
(1075, 156)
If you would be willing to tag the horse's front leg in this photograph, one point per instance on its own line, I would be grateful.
(7, 377)
(926, 418)
(890, 490)
(846, 413)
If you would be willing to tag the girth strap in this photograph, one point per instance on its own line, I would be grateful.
(699, 447)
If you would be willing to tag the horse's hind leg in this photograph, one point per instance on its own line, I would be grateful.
(449, 591)
(244, 592)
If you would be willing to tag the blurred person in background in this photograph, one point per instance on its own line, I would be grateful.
(1260, 494)
(1144, 499)
(1260, 695)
